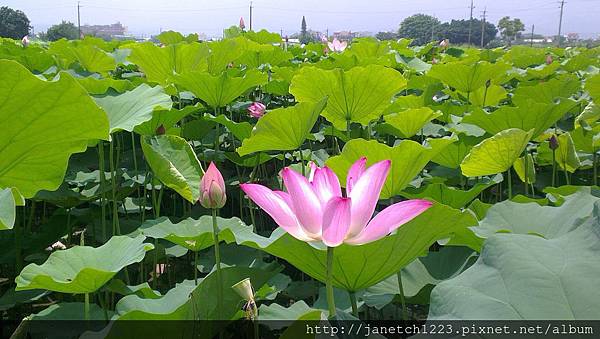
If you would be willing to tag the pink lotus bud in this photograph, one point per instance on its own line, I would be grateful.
(337, 46)
(324, 39)
(242, 24)
(160, 130)
(553, 142)
(257, 109)
(212, 188)
(444, 43)
(548, 59)
(25, 41)
(434, 61)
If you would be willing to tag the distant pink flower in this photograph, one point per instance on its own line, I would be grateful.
(324, 39)
(242, 24)
(212, 188)
(548, 59)
(314, 209)
(25, 41)
(337, 46)
(257, 109)
(434, 61)
(444, 43)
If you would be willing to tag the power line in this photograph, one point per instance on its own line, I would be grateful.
(562, 6)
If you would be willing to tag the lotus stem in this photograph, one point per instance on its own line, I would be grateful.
(86, 307)
(113, 181)
(69, 227)
(218, 264)
(102, 187)
(135, 167)
(154, 264)
(328, 282)
(509, 184)
(196, 267)
(31, 217)
(553, 168)
(352, 295)
(18, 244)
(348, 124)
(525, 170)
(302, 162)
(402, 299)
(595, 179)
(568, 181)
(217, 135)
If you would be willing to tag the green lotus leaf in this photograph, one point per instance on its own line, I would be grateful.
(450, 196)
(453, 154)
(523, 56)
(166, 117)
(495, 154)
(170, 37)
(531, 218)
(263, 37)
(224, 52)
(159, 64)
(219, 90)
(265, 55)
(586, 140)
(298, 310)
(174, 163)
(532, 115)
(83, 269)
(89, 57)
(41, 134)
(358, 95)
(193, 234)
(488, 96)
(100, 86)
(35, 58)
(410, 121)
(408, 159)
(240, 130)
(587, 117)
(68, 311)
(547, 92)
(7, 209)
(467, 78)
(127, 110)
(143, 290)
(283, 129)
(525, 168)
(358, 267)
(527, 277)
(592, 85)
(566, 155)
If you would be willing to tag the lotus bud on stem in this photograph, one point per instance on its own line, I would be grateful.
(245, 290)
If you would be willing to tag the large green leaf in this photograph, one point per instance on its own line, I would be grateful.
(358, 267)
(547, 92)
(358, 95)
(174, 163)
(240, 130)
(167, 118)
(453, 154)
(89, 57)
(127, 110)
(44, 123)
(193, 234)
(410, 121)
(495, 154)
(7, 209)
(527, 277)
(159, 64)
(283, 129)
(549, 222)
(467, 78)
(219, 90)
(408, 159)
(592, 85)
(532, 115)
(83, 269)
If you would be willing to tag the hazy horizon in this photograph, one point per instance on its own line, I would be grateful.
(187, 16)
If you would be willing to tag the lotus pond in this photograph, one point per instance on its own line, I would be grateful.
(246, 178)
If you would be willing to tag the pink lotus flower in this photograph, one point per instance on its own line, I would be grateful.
(257, 109)
(337, 46)
(242, 24)
(548, 59)
(212, 188)
(25, 41)
(314, 209)
(444, 44)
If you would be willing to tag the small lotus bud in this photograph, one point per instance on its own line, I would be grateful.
(488, 83)
(212, 188)
(244, 289)
(242, 24)
(444, 43)
(25, 41)
(160, 130)
(548, 59)
(257, 109)
(553, 142)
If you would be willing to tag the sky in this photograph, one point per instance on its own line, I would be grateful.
(149, 17)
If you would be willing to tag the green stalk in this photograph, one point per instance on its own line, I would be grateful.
(302, 162)
(553, 168)
(348, 124)
(86, 307)
(525, 181)
(113, 181)
(18, 244)
(69, 227)
(31, 217)
(217, 134)
(135, 168)
(567, 177)
(218, 264)
(402, 299)
(354, 304)
(328, 284)
(154, 263)
(595, 180)
(102, 186)
(196, 267)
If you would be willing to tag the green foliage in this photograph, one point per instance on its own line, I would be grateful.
(419, 27)
(65, 29)
(13, 23)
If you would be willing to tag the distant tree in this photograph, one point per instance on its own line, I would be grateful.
(457, 31)
(510, 29)
(386, 36)
(13, 23)
(304, 36)
(419, 27)
(65, 30)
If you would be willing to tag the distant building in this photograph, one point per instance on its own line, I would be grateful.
(104, 31)
(344, 35)
(573, 37)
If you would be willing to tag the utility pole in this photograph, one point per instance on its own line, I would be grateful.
(562, 5)
(483, 25)
(471, 21)
(78, 19)
(250, 15)
(532, 29)
(432, 29)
